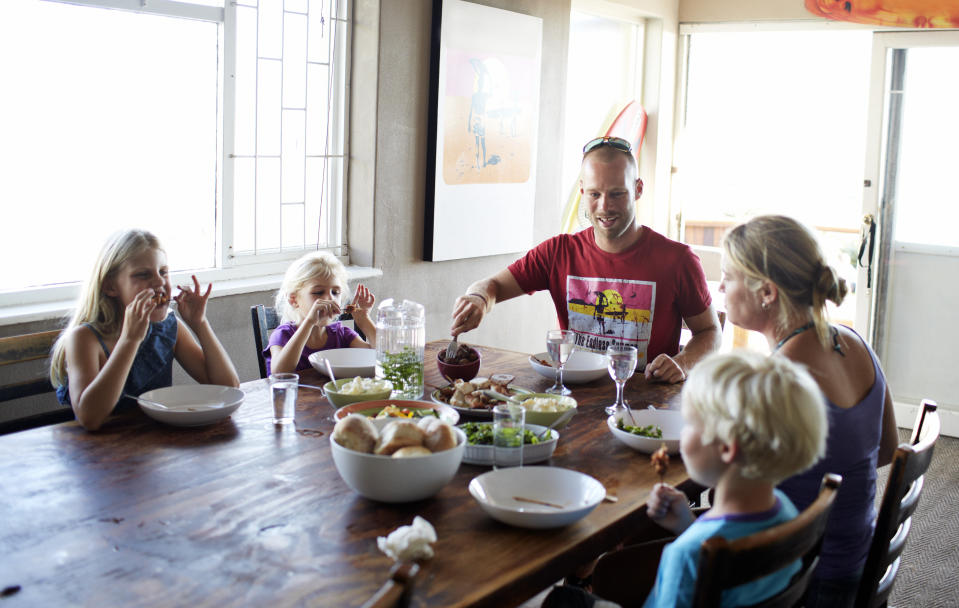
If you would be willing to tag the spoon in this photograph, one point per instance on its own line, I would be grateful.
(153, 403)
(562, 418)
(329, 369)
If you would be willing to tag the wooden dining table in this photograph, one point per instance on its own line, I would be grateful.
(243, 512)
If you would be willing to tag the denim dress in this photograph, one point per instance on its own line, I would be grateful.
(152, 367)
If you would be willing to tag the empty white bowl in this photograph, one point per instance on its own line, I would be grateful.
(573, 494)
(581, 367)
(671, 421)
(392, 480)
(191, 404)
(346, 362)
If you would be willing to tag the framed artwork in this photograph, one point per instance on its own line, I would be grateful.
(483, 118)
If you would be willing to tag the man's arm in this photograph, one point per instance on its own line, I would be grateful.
(481, 296)
(707, 337)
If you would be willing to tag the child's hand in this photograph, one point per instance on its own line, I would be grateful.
(136, 316)
(191, 304)
(669, 508)
(363, 299)
(322, 312)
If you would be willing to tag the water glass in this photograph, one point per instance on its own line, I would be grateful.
(284, 388)
(621, 363)
(559, 345)
(508, 430)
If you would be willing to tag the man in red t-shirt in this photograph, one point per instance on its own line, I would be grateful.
(618, 281)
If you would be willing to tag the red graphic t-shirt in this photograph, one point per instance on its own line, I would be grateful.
(639, 296)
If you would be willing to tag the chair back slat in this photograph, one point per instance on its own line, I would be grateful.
(24, 349)
(725, 564)
(899, 501)
(27, 347)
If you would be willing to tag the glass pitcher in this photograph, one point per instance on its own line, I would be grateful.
(400, 340)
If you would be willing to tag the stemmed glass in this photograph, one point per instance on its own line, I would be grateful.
(559, 345)
(621, 362)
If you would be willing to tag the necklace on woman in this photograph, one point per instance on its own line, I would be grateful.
(795, 333)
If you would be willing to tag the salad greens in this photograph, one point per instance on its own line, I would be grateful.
(653, 431)
(479, 433)
(404, 369)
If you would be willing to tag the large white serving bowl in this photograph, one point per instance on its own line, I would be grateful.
(346, 362)
(581, 367)
(671, 421)
(535, 452)
(393, 480)
(191, 405)
(577, 494)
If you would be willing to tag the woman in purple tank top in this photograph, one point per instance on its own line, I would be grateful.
(308, 303)
(776, 282)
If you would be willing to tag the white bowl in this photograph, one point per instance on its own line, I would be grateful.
(346, 362)
(581, 367)
(392, 480)
(191, 404)
(575, 493)
(671, 421)
(538, 452)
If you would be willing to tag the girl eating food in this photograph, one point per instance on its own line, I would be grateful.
(122, 339)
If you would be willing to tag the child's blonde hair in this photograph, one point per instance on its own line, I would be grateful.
(101, 311)
(769, 406)
(312, 266)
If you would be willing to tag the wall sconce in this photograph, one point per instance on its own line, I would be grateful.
(890, 13)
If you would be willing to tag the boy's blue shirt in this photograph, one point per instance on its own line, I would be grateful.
(676, 576)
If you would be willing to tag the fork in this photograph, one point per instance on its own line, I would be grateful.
(451, 349)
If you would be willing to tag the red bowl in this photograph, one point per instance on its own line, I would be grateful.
(466, 371)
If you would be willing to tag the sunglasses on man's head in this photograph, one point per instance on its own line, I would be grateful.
(614, 142)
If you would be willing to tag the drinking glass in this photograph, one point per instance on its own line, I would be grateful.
(508, 430)
(559, 345)
(284, 387)
(621, 362)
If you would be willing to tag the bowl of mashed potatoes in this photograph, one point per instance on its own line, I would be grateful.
(544, 408)
(345, 391)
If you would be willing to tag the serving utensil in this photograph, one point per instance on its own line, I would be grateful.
(500, 396)
(329, 369)
(562, 418)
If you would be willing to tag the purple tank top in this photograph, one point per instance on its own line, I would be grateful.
(852, 450)
(337, 336)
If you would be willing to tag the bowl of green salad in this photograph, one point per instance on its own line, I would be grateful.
(648, 429)
(479, 443)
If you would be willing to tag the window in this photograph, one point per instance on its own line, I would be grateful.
(218, 126)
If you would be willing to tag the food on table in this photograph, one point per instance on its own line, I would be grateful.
(399, 438)
(546, 362)
(399, 434)
(482, 434)
(548, 404)
(464, 354)
(161, 297)
(408, 543)
(394, 411)
(356, 432)
(470, 394)
(660, 460)
(362, 386)
(653, 431)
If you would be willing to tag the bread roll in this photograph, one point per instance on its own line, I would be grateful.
(411, 451)
(398, 434)
(439, 437)
(356, 432)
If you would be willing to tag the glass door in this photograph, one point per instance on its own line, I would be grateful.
(911, 196)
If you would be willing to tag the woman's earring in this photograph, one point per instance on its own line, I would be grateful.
(765, 305)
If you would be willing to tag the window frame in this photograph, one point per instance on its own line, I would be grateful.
(242, 272)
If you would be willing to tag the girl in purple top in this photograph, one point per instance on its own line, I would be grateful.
(308, 303)
(777, 283)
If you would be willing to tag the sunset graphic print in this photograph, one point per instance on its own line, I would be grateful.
(609, 311)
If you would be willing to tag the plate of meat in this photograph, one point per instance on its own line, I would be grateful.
(470, 401)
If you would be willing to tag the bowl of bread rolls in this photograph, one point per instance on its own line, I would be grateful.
(396, 460)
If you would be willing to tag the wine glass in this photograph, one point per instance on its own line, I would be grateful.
(621, 362)
(559, 345)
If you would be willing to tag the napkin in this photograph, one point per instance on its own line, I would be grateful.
(408, 543)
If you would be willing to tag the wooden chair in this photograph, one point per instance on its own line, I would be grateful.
(397, 591)
(265, 320)
(724, 564)
(22, 349)
(906, 476)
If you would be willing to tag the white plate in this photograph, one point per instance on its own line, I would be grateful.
(575, 493)
(483, 454)
(671, 421)
(346, 362)
(192, 405)
(581, 367)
